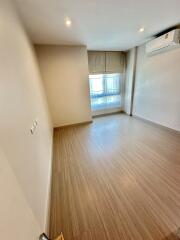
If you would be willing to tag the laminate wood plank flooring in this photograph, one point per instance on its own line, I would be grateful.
(115, 179)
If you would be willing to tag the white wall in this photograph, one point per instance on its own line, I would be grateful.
(157, 89)
(25, 159)
(130, 64)
(65, 75)
(17, 220)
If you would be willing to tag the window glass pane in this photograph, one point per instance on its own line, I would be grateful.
(96, 85)
(112, 84)
(105, 91)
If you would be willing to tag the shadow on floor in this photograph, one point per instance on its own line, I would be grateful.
(172, 236)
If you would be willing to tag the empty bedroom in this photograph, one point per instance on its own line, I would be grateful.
(90, 120)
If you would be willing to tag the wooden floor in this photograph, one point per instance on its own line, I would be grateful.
(118, 179)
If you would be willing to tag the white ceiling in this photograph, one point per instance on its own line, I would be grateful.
(99, 24)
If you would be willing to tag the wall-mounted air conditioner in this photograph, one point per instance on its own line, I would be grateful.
(166, 41)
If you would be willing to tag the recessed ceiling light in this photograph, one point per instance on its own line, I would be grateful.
(141, 29)
(68, 22)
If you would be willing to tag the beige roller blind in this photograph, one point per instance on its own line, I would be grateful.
(96, 62)
(106, 62)
(115, 62)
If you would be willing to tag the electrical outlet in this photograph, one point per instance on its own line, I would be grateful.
(34, 126)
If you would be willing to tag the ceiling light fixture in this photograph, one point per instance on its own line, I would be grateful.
(141, 29)
(68, 22)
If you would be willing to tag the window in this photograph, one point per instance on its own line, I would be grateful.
(105, 91)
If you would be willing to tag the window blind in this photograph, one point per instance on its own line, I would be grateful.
(101, 62)
(96, 61)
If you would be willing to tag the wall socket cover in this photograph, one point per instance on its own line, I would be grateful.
(34, 126)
